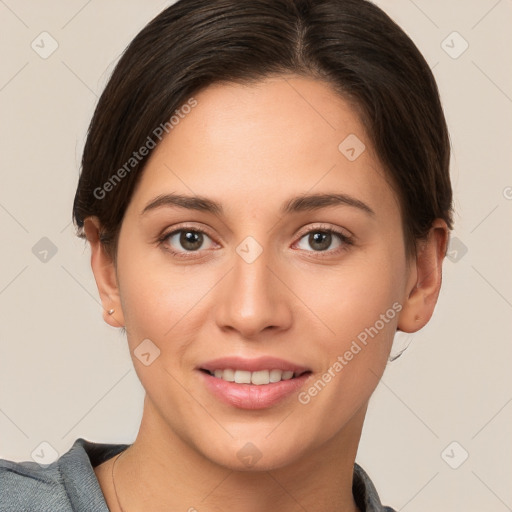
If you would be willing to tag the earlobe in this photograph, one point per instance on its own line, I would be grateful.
(425, 280)
(104, 271)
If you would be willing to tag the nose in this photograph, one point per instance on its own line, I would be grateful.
(253, 299)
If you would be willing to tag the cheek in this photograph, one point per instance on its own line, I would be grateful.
(162, 301)
(154, 303)
(160, 304)
(359, 308)
(359, 305)
(352, 298)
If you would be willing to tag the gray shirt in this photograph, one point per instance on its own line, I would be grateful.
(70, 485)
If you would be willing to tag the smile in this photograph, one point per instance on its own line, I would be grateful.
(258, 378)
(248, 383)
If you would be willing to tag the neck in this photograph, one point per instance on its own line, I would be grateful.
(160, 471)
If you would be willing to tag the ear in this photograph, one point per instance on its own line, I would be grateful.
(425, 279)
(104, 271)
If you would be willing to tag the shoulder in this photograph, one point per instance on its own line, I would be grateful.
(68, 484)
(365, 494)
(27, 486)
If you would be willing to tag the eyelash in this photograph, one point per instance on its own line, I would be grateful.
(345, 240)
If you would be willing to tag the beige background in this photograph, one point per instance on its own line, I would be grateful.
(65, 374)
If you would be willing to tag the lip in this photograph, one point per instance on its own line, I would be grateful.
(252, 365)
(251, 396)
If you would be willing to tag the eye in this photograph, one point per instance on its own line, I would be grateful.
(190, 241)
(324, 240)
(187, 240)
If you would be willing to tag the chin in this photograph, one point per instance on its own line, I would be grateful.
(255, 453)
(250, 459)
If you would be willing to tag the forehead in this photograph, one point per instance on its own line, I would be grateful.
(281, 136)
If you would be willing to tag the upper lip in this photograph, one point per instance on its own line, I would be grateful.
(252, 365)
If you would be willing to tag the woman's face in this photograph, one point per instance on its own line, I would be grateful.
(300, 267)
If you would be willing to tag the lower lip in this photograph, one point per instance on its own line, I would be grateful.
(251, 396)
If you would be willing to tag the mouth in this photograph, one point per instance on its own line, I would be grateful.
(253, 383)
(256, 378)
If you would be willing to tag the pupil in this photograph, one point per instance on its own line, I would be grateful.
(323, 239)
(191, 240)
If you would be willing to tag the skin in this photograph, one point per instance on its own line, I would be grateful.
(251, 148)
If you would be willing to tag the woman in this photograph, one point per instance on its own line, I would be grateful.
(265, 190)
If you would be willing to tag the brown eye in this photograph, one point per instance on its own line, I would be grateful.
(188, 240)
(320, 240)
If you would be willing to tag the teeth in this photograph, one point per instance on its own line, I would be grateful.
(242, 377)
(275, 375)
(228, 375)
(258, 378)
(261, 377)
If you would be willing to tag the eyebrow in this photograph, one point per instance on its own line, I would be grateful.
(310, 202)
